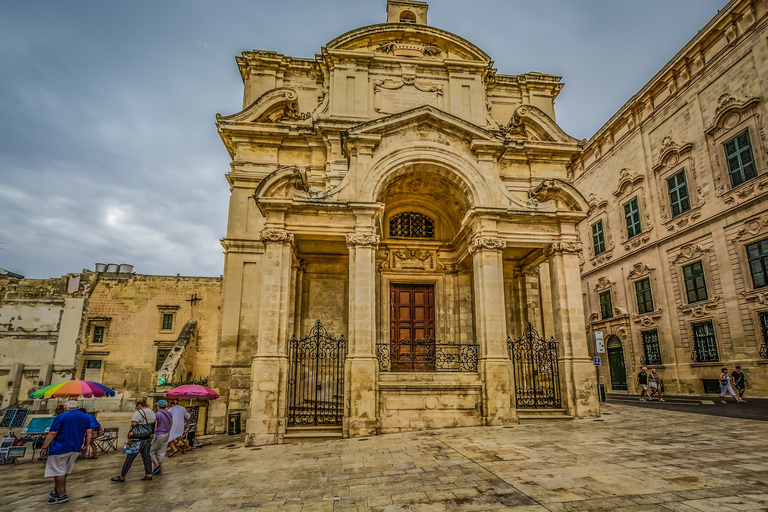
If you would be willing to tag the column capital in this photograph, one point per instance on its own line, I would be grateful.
(363, 240)
(278, 236)
(563, 247)
(486, 244)
(530, 271)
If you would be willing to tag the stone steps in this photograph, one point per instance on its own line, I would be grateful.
(529, 415)
(312, 433)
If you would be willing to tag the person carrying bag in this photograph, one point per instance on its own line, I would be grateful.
(142, 429)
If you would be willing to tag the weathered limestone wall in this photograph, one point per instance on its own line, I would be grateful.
(711, 92)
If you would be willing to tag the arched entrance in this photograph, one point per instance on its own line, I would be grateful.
(616, 364)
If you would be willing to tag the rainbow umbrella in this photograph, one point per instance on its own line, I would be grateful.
(73, 389)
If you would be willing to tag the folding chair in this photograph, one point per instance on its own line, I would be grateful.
(108, 440)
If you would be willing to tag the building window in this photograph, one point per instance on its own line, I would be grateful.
(741, 165)
(162, 354)
(98, 334)
(678, 194)
(764, 332)
(407, 17)
(167, 321)
(695, 286)
(644, 296)
(92, 370)
(704, 344)
(598, 237)
(758, 262)
(411, 225)
(651, 349)
(606, 307)
(632, 214)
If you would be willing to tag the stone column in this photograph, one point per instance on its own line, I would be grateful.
(578, 377)
(361, 366)
(491, 332)
(269, 369)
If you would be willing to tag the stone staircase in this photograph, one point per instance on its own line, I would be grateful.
(312, 433)
(530, 415)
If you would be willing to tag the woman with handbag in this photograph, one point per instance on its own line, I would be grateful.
(143, 425)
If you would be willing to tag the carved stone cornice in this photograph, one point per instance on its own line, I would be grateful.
(640, 270)
(277, 236)
(486, 244)
(530, 271)
(726, 108)
(760, 297)
(596, 204)
(603, 284)
(699, 309)
(672, 153)
(688, 252)
(627, 182)
(563, 247)
(647, 319)
(752, 227)
(363, 240)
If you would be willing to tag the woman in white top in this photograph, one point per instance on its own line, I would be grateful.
(143, 416)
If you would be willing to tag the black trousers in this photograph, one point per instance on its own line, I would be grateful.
(144, 446)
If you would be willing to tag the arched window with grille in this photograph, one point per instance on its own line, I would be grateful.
(411, 225)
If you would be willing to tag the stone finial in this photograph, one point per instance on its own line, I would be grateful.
(363, 240)
(278, 236)
(486, 244)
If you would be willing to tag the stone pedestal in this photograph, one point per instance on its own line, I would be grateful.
(579, 383)
(490, 319)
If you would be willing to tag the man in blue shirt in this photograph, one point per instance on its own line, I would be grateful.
(70, 435)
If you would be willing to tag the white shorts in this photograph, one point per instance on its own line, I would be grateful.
(59, 465)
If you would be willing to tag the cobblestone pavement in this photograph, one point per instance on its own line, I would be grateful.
(630, 459)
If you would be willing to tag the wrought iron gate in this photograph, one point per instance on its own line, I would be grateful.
(537, 374)
(316, 378)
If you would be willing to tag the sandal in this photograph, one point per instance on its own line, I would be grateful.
(118, 478)
(93, 457)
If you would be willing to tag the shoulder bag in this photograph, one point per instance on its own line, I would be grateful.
(141, 431)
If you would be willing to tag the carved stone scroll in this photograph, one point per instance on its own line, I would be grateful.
(277, 236)
(487, 244)
(362, 240)
(563, 247)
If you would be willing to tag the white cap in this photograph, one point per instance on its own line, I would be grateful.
(72, 404)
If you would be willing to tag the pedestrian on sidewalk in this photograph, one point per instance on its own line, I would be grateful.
(143, 416)
(69, 436)
(739, 382)
(642, 379)
(160, 441)
(654, 382)
(180, 415)
(726, 386)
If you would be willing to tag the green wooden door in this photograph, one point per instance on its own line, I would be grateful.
(618, 370)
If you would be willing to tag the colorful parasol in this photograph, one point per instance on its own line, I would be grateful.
(192, 392)
(73, 389)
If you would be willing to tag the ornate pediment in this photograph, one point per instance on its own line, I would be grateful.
(627, 182)
(596, 204)
(699, 309)
(730, 112)
(529, 122)
(640, 270)
(672, 153)
(751, 227)
(688, 252)
(275, 106)
(564, 195)
(603, 284)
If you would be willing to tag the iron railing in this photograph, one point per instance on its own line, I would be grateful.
(426, 355)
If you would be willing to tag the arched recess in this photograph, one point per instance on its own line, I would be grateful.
(616, 364)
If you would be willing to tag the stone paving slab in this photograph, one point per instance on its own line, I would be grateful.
(627, 460)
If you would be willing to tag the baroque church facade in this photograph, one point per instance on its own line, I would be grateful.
(402, 232)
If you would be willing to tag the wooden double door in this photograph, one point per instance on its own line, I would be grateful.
(412, 327)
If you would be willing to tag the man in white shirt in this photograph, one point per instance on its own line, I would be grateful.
(180, 415)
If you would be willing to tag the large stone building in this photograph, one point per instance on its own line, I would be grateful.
(416, 202)
(676, 247)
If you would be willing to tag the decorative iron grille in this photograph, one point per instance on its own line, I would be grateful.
(411, 225)
(316, 378)
(764, 331)
(651, 350)
(426, 355)
(537, 372)
(704, 343)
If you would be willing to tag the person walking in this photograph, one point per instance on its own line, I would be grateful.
(160, 440)
(739, 382)
(642, 379)
(726, 387)
(142, 416)
(69, 436)
(654, 383)
(180, 415)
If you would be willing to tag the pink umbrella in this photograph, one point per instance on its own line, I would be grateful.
(192, 392)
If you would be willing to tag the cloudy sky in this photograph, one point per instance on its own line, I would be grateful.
(108, 149)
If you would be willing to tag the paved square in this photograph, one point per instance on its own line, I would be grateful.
(630, 459)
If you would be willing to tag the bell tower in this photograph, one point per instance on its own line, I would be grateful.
(407, 11)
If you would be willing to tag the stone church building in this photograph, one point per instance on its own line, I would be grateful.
(402, 233)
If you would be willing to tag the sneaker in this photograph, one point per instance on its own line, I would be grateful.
(53, 493)
(642, 399)
(661, 400)
(55, 500)
(158, 470)
(650, 398)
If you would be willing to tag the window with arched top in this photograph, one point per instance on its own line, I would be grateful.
(411, 225)
(407, 17)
